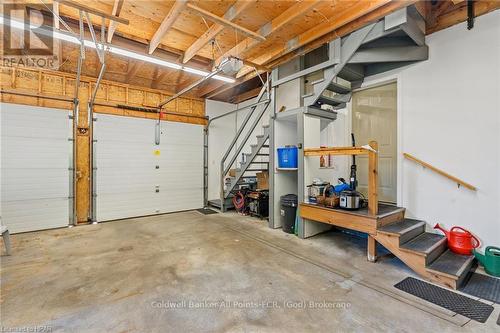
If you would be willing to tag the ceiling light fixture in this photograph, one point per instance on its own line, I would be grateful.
(112, 49)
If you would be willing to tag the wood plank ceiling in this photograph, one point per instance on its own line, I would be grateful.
(200, 33)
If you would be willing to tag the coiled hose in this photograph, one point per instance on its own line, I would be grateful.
(239, 202)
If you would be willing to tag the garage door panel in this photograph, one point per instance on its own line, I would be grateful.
(35, 175)
(121, 206)
(181, 199)
(22, 184)
(31, 215)
(127, 174)
(34, 153)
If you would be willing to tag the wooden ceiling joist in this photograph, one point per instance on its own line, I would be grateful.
(215, 29)
(117, 8)
(166, 24)
(220, 20)
(270, 27)
(350, 14)
(93, 11)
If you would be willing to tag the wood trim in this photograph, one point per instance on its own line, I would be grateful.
(166, 24)
(341, 219)
(220, 20)
(440, 172)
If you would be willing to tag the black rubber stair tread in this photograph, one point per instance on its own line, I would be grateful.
(401, 227)
(451, 264)
(424, 243)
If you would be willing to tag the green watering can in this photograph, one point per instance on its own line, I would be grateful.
(490, 260)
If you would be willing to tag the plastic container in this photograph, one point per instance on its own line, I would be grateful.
(288, 212)
(288, 157)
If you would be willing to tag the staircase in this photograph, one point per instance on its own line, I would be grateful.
(395, 41)
(425, 253)
(252, 161)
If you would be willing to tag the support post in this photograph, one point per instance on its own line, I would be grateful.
(373, 179)
(372, 249)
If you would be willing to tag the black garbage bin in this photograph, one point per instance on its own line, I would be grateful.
(288, 212)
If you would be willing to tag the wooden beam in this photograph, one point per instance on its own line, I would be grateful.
(460, 14)
(55, 9)
(220, 20)
(117, 8)
(339, 19)
(91, 10)
(215, 29)
(270, 27)
(373, 179)
(455, 2)
(342, 31)
(166, 24)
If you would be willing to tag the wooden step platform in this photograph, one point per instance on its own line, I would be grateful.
(406, 229)
(426, 244)
(452, 265)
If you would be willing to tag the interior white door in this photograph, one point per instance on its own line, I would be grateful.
(35, 160)
(374, 117)
(137, 177)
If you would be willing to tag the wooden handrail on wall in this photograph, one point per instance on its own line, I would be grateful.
(441, 172)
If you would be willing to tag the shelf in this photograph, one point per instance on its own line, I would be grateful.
(286, 169)
(335, 151)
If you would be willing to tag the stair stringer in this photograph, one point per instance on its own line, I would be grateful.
(415, 261)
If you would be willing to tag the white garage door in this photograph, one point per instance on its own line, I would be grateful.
(136, 177)
(35, 179)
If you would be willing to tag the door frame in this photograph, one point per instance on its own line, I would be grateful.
(373, 82)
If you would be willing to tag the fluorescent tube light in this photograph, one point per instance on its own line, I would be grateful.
(115, 50)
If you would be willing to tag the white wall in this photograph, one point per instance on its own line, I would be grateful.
(449, 116)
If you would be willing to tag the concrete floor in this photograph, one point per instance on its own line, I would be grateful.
(223, 272)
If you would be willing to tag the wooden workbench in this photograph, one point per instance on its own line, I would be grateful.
(359, 220)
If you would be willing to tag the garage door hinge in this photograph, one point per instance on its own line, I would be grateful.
(95, 140)
(71, 169)
(94, 168)
(94, 119)
(70, 116)
(71, 197)
(71, 139)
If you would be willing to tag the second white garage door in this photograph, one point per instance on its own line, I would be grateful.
(136, 177)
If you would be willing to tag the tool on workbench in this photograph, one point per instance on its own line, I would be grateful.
(351, 199)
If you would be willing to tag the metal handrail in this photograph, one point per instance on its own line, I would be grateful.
(247, 136)
(242, 127)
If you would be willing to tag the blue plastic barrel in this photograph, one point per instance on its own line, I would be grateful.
(288, 157)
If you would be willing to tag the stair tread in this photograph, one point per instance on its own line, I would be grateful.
(451, 263)
(401, 227)
(338, 88)
(424, 243)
